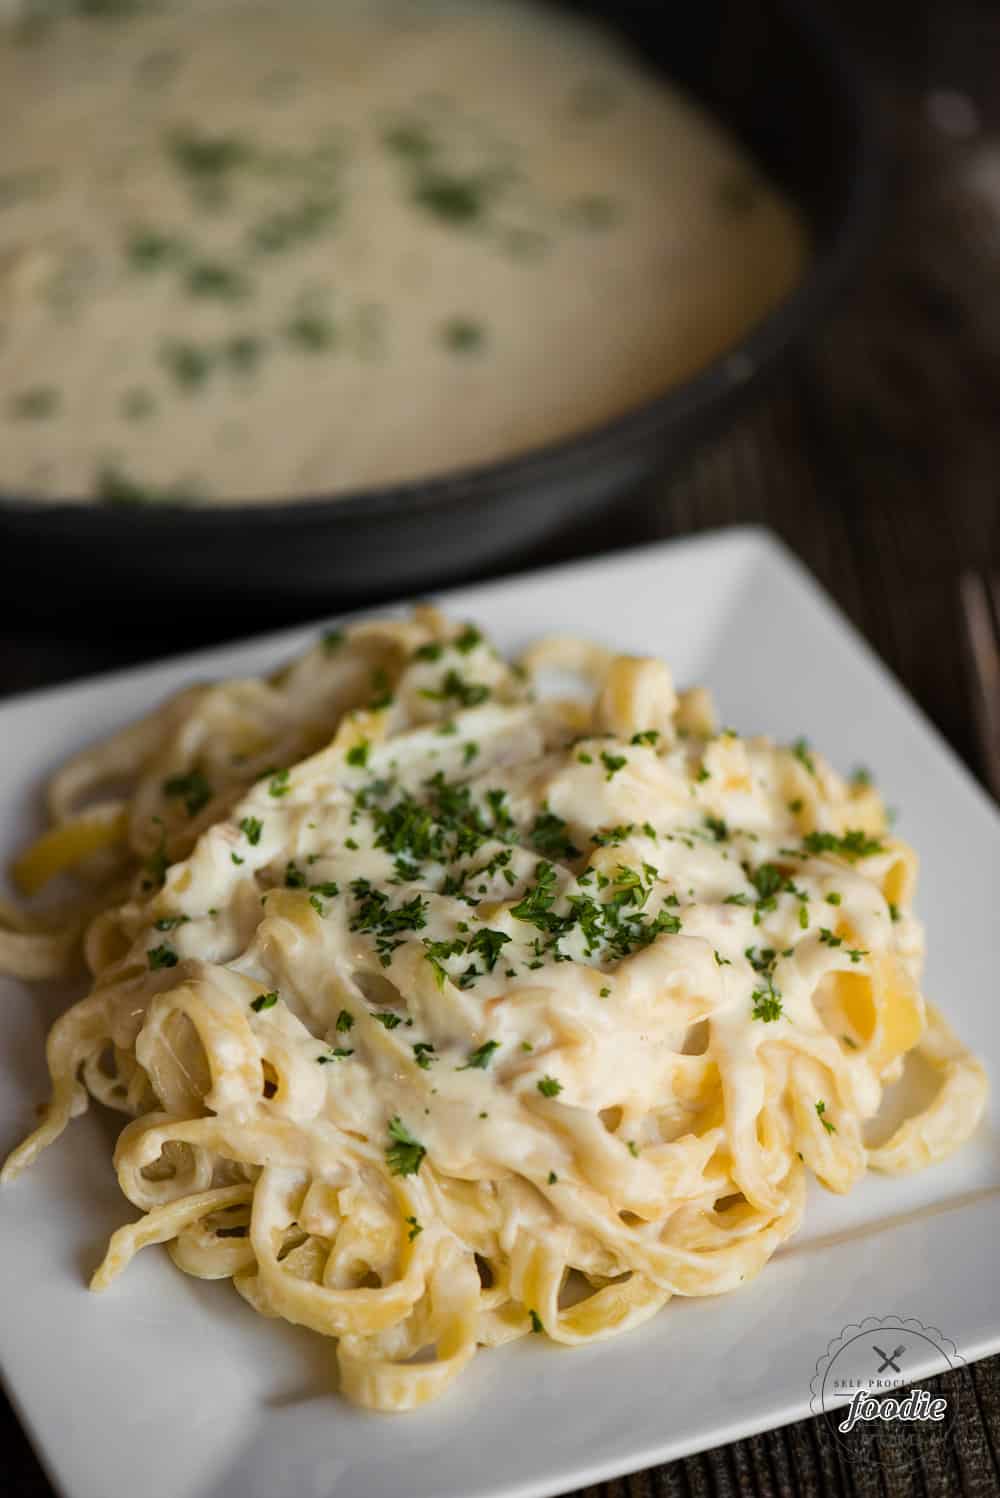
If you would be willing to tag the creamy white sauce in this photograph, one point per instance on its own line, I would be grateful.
(254, 251)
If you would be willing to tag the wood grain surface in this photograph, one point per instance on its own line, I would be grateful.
(876, 456)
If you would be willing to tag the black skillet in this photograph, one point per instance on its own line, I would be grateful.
(783, 80)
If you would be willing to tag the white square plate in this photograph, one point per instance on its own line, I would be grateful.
(169, 1386)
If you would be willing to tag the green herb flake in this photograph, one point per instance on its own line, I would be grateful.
(612, 763)
(264, 1001)
(405, 1154)
(149, 249)
(188, 365)
(549, 1087)
(243, 352)
(213, 280)
(278, 785)
(38, 403)
(462, 335)
(415, 1228)
(170, 922)
(852, 845)
(479, 1059)
(801, 751)
(311, 332)
(162, 956)
(193, 788)
(820, 1114)
(536, 1322)
(251, 828)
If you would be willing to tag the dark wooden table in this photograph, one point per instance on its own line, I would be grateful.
(876, 456)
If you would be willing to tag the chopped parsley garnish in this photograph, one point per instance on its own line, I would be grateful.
(294, 876)
(795, 806)
(721, 961)
(549, 1087)
(387, 1018)
(386, 923)
(405, 1154)
(317, 905)
(833, 898)
(358, 753)
(536, 1322)
(548, 836)
(853, 844)
(329, 889)
(157, 863)
(462, 335)
(612, 763)
(311, 332)
(251, 828)
(703, 774)
(717, 827)
(423, 1054)
(766, 1005)
(161, 956)
(210, 278)
(766, 1000)
(438, 953)
(149, 249)
(278, 784)
(648, 736)
(453, 686)
(535, 906)
(36, 404)
(633, 1148)
(193, 788)
(431, 651)
(264, 1001)
(170, 922)
(611, 837)
(895, 913)
(585, 759)
(207, 158)
(553, 1178)
(345, 1022)
(487, 944)
(468, 639)
(820, 1114)
(801, 751)
(828, 939)
(451, 198)
(187, 364)
(469, 751)
(415, 1228)
(604, 992)
(479, 1059)
(861, 777)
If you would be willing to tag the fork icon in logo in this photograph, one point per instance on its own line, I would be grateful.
(888, 1359)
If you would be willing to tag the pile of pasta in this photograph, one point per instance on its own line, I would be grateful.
(445, 1011)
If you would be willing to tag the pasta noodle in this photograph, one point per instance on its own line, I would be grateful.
(446, 1013)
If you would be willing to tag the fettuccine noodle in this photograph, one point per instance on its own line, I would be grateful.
(445, 1014)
